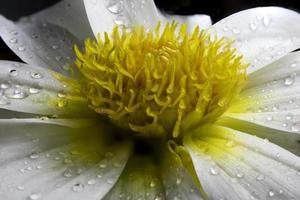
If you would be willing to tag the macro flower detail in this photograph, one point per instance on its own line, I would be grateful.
(117, 100)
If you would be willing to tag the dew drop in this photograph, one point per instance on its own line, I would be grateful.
(293, 65)
(21, 48)
(267, 21)
(289, 117)
(15, 93)
(236, 31)
(270, 118)
(34, 156)
(78, 187)
(260, 177)
(252, 27)
(35, 196)
(271, 193)
(34, 90)
(288, 81)
(20, 187)
(13, 73)
(13, 40)
(152, 184)
(36, 75)
(4, 86)
(178, 181)
(213, 171)
(115, 7)
(240, 175)
(91, 182)
(230, 143)
(295, 127)
(68, 173)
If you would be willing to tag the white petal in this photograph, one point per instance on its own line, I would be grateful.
(33, 89)
(68, 14)
(139, 180)
(272, 96)
(104, 15)
(178, 182)
(203, 21)
(234, 165)
(262, 35)
(51, 162)
(40, 43)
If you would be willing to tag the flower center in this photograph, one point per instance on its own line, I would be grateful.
(161, 83)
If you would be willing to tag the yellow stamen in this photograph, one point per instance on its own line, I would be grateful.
(160, 83)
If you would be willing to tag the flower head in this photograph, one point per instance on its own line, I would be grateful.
(148, 106)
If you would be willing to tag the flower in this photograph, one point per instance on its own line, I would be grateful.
(150, 111)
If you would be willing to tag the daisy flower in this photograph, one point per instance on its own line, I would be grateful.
(119, 101)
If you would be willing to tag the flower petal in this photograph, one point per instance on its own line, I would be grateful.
(68, 14)
(203, 21)
(104, 15)
(71, 162)
(40, 43)
(272, 96)
(138, 181)
(33, 89)
(234, 165)
(262, 35)
(178, 182)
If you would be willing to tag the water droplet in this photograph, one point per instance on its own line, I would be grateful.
(14, 32)
(213, 171)
(230, 143)
(236, 31)
(34, 156)
(68, 173)
(115, 7)
(102, 165)
(4, 86)
(35, 196)
(178, 181)
(34, 90)
(91, 182)
(270, 118)
(36, 75)
(293, 65)
(240, 175)
(152, 184)
(78, 187)
(20, 187)
(13, 40)
(34, 36)
(13, 73)
(288, 81)
(271, 193)
(21, 48)
(110, 181)
(252, 27)
(267, 21)
(62, 103)
(289, 117)
(295, 127)
(54, 46)
(260, 177)
(15, 93)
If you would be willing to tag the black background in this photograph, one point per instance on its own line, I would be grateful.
(14, 9)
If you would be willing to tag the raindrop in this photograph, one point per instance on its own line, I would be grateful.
(240, 175)
(213, 171)
(266, 21)
(91, 182)
(293, 65)
(55, 46)
(78, 187)
(152, 184)
(13, 73)
(35, 196)
(34, 90)
(68, 173)
(14, 32)
(36, 75)
(115, 7)
(102, 165)
(13, 40)
(20, 187)
(288, 117)
(21, 48)
(110, 181)
(289, 81)
(230, 143)
(260, 177)
(34, 36)
(252, 27)
(4, 86)
(33, 156)
(296, 128)
(15, 93)
(236, 31)
(178, 181)
(271, 193)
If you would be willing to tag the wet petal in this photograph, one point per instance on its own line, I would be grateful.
(104, 15)
(234, 165)
(178, 182)
(71, 162)
(40, 43)
(262, 35)
(139, 180)
(31, 89)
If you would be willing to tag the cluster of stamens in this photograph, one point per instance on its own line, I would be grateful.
(159, 83)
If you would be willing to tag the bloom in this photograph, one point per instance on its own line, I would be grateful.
(177, 115)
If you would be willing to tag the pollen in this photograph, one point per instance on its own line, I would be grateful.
(159, 83)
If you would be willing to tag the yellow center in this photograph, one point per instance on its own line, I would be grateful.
(159, 84)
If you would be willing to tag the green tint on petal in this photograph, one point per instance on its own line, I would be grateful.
(139, 180)
(178, 181)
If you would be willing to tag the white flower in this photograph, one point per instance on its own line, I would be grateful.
(53, 146)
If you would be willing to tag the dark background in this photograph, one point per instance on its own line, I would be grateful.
(217, 9)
